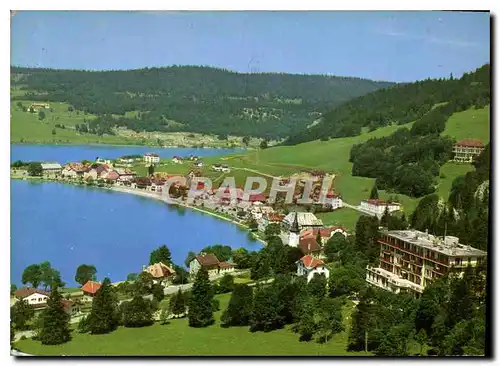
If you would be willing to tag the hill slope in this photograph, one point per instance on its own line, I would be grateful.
(194, 99)
(399, 104)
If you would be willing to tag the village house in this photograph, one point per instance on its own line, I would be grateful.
(141, 182)
(35, 107)
(309, 266)
(74, 170)
(151, 158)
(225, 197)
(410, 260)
(334, 200)
(225, 169)
(306, 220)
(37, 299)
(325, 233)
(177, 160)
(97, 172)
(157, 185)
(125, 174)
(309, 246)
(108, 162)
(112, 177)
(32, 295)
(90, 288)
(198, 164)
(207, 261)
(51, 169)
(377, 207)
(211, 264)
(270, 218)
(216, 167)
(467, 150)
(161, 273)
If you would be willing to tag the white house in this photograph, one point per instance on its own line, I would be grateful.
(334, 200)
(309, 266)
(177, 160)
(199, 164)
(151, 158)
(225, 169)
(32, 296)
(377, 207)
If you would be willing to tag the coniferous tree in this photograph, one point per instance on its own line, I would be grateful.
(104, 316)
(374, 191)
(317, 286)
(200, 311)
(138, 313)
(226, 284)
(267, 309)
(55, 325)
(177, 305)
(361, 323)
(240, 306)
(161, 254)
(386, 217)
(20, 314)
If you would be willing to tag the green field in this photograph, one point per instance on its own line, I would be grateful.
(346, 217)
(26, 127)
(177, 338)
(470, 124)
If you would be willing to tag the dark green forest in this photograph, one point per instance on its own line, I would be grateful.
(199, 99)
(399, 104)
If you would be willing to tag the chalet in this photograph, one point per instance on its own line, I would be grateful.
(32, 296)
(217, 167)
(90, 288)
(161, 273)
(198, 164)
(465, 151)
(225, 169)
(151, 158)
(207, 261)
(74, 170)
(309, 266)
(306, 220)
(51, 169)
(377, 207)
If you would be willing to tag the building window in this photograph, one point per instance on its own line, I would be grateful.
(457, 261)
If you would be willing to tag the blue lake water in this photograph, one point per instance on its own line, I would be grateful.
(68, 153)
(71, 225)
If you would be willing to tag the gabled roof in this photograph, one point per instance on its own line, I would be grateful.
(27, 291)
(324, 232)
(275, 217)
(470, 143)
(159, 270)
(91, 287)
(77, 167)
(309, 245)
(207, 260)
(310, 262)
(226, 265)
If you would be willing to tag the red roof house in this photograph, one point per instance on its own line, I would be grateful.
(90, 288)
(469, 143)
(309, 246)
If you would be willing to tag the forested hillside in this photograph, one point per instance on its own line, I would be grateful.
(399, 104)
(194, 99)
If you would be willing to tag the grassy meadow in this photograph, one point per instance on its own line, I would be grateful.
(177, 338)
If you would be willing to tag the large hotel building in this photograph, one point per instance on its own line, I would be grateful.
(411, 260)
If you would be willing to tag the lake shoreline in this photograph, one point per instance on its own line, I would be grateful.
(141, 193)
